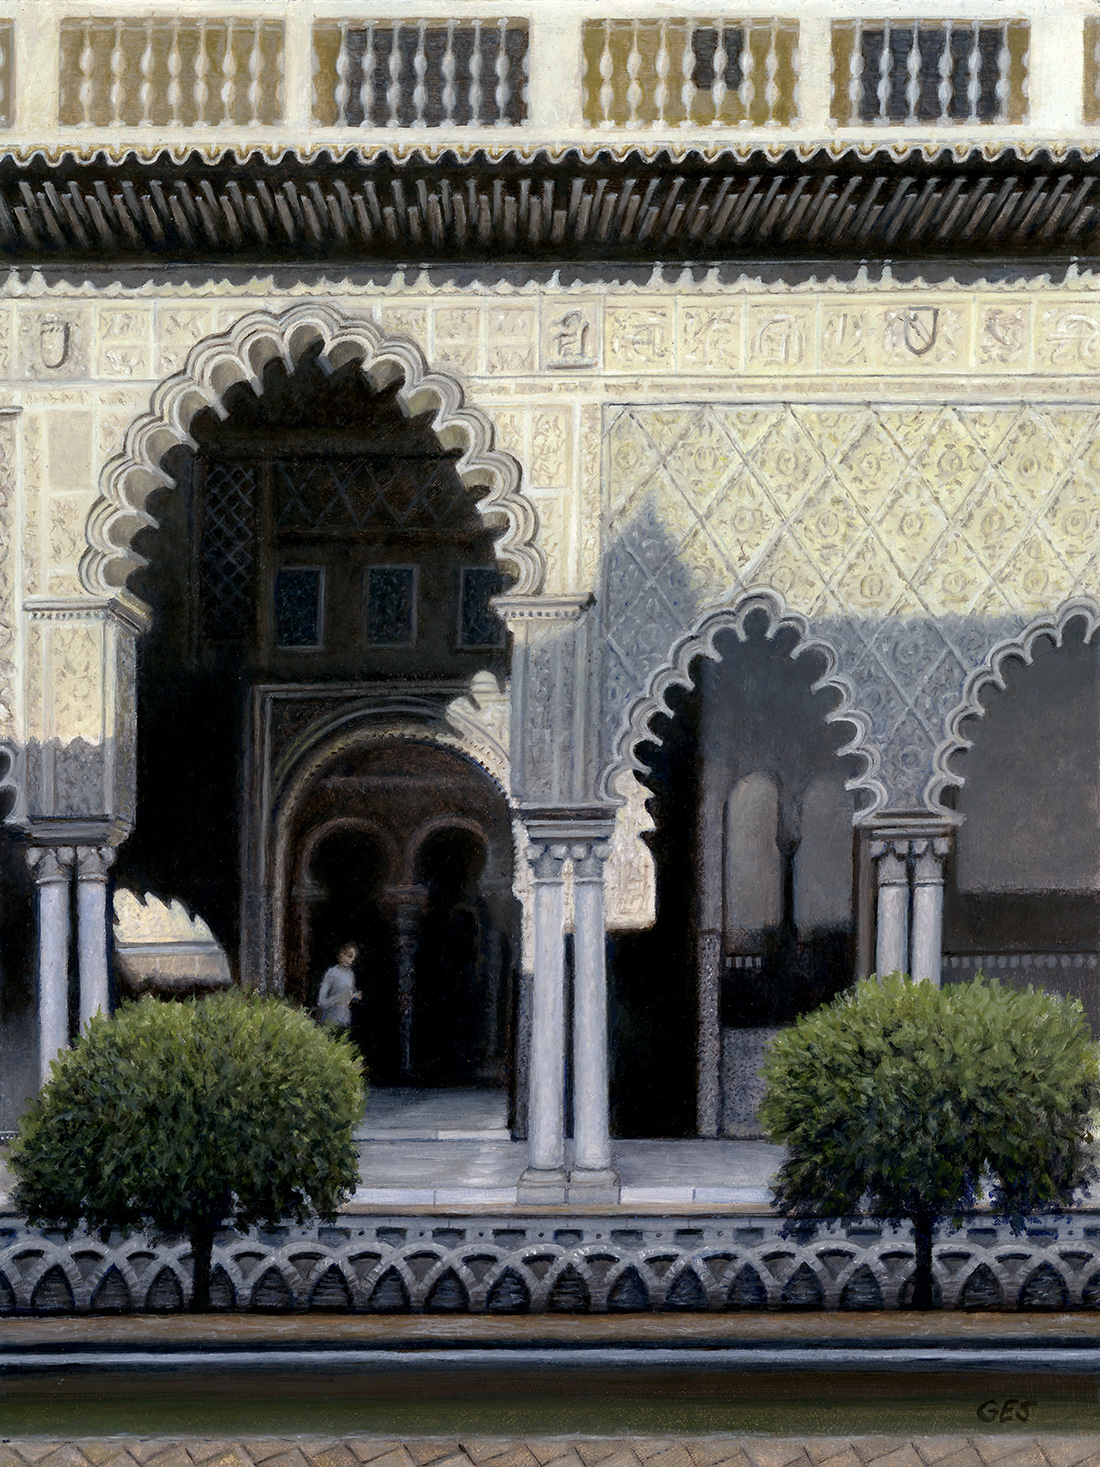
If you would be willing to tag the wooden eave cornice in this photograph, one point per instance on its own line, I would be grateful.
(546, 211)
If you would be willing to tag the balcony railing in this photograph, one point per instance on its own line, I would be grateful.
(234, 74)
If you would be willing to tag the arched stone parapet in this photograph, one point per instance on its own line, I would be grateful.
(240, 355)
(700, 642)
(991, 672)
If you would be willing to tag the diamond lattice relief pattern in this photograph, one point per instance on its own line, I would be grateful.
(912, 537)
(907, 512)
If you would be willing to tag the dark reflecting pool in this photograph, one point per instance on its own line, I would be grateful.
(504, 1393)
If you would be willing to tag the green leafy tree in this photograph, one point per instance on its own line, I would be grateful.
(187, 1117)
(905, 1099)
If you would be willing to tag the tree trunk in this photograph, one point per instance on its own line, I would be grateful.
(922, 1274)
(202, 1248)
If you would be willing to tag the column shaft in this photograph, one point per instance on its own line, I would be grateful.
(546, 1103)
(92, 929)
(591, 1128)
(927, 936)
(52, 870)
(892, 936)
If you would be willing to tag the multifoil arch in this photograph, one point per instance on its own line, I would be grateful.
(240, 355)
(1021, 646)
(700, 642)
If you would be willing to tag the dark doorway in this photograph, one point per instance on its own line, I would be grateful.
(460, 974)
(347, 873)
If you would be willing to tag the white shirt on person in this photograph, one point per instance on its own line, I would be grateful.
(336, 994)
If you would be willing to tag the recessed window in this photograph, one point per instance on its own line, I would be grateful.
(478, 623)
(298, 602)
(391, 605)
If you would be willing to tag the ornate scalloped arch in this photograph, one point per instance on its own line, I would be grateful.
(700, 642)
(991, 671)
(240, 355)
(324, 741)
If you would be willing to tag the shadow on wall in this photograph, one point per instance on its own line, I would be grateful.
(1023, 888)
(754, 854)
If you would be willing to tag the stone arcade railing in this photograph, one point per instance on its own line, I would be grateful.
(559, 1264)
(222, 74)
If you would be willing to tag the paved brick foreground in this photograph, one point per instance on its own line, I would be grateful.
(746, 1451)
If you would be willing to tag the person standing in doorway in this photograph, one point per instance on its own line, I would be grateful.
(338, 991)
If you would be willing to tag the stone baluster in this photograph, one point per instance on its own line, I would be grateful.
(255, 74)
(52, 867)
(476, 91)
(343, 74)
(945, 86)
(974, 73)
(855, 76)
(229, 75)
(926, 942)
(891, 858)
(607, 71)
(175, 73)
(448, 68)
(885, 74)
(502, 94)
(545, 1178)
(146, 66)
(420, 72)
(718, 85)
(393, 90)
(366, 85)
(661, 65)
(93, 865)
(117, 90)
(687, 74)
(202, 76)
(87, 77)
(633, 71)
(591, 1177)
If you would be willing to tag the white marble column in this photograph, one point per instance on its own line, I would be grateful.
(52, 867)
(545, 1178)
(93, 864)
(892, 936)
(591, 1178)
(926, 940)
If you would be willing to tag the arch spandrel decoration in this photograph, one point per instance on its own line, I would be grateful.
(240, 355)
(700, 642)
(990, 672)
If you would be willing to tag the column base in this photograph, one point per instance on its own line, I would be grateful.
(589, 1185)
(542, 1184)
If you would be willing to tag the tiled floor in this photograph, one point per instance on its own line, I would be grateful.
(451, 1148)
(728, 1451)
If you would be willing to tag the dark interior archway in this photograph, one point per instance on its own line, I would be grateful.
(1022, 889)
(404, 847)
(316, 535)
(754, 852)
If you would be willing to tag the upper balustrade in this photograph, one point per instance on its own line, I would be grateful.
(548, 74)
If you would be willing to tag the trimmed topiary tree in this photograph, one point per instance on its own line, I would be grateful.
(187, 1117)
(904, 1099)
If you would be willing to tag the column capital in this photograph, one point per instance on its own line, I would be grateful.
(547, 860)
(50, 863)
(589, 858)
(928, 859)
(892, 860)
(94, 862)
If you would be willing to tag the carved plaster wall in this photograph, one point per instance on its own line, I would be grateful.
(874, 432)
(913, 537)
